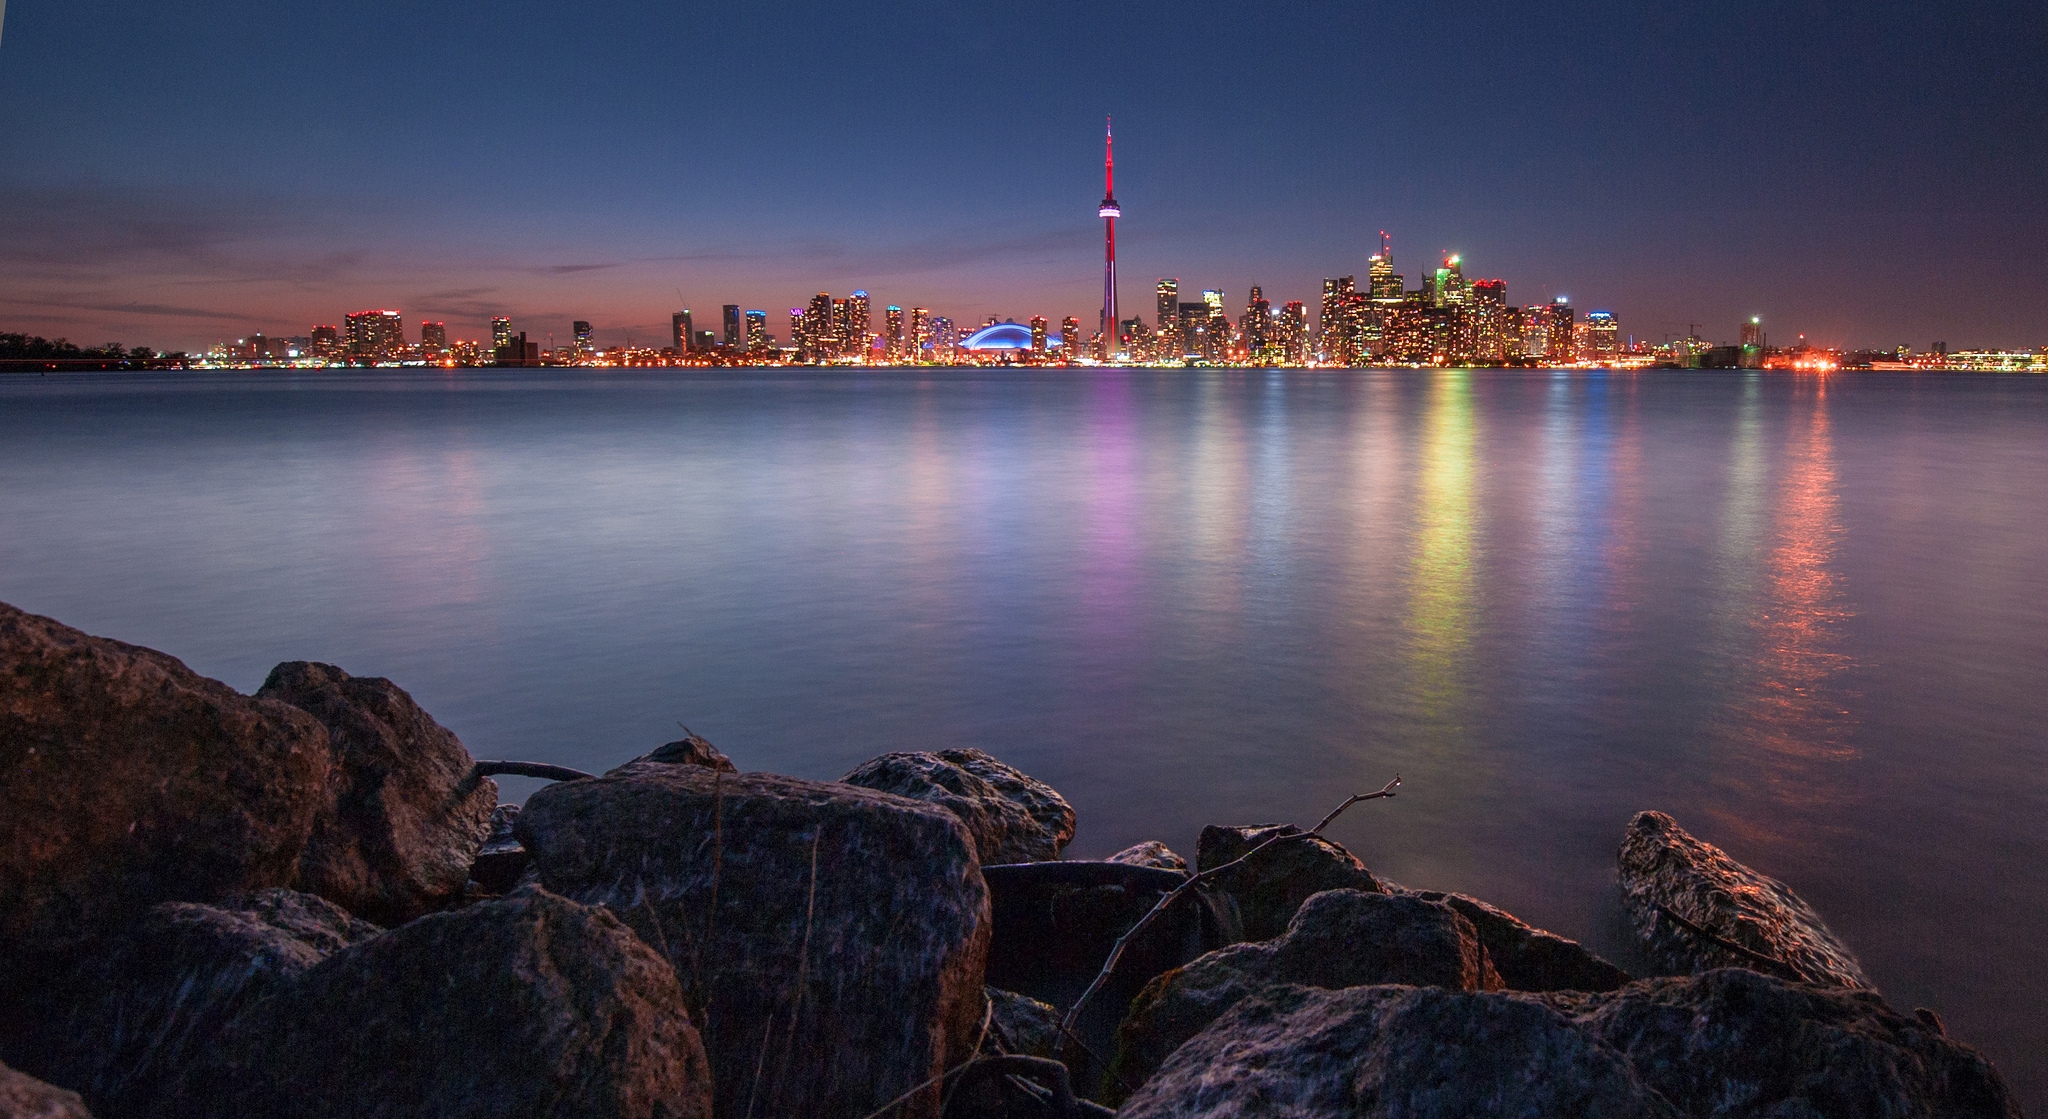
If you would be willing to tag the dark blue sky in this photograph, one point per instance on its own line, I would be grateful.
(1868, 173)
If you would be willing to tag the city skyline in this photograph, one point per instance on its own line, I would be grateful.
(1869, 183)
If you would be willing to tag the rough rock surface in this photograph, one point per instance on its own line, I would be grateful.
(830, 939)
(1411, 1052)
(1733, 1043)
(1724, 1045)
(154, 999)
(1055, 924)
(1339, 938)
(1269, 887)
(1013, 817)
(409, 812)
(501, 860)
(1528, 958)
(25, 1097)
(1150, 853)
(530, 1005)
(127, 779)
(1665, 868)
(691, 749)
(1024, 1024)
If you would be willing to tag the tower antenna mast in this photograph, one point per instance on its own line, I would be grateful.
(1109, 212)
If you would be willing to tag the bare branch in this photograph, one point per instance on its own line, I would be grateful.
(541, 770)
(1116, 950)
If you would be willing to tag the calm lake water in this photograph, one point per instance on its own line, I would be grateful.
(1804, 615)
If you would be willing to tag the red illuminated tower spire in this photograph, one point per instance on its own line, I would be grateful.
(1109, 213)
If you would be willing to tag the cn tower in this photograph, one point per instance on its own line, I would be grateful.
(1109, 213)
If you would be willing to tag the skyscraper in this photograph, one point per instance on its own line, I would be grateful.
(920, 332)
(501, 333)
(1335, 324)
(1605, 335)
(1070, 337)
(1752, 356)
(732, 326)
(679, 328)
(858, 339)
(375, 335)
(1257, 313)
(325, 341)
(1109, 212)
(817, 331)
(1448, 289)
(892, 332)
(1169, 301)
(433, 338)
(1560, 348)
(757, 331)
(582, 346)
(1038, 335)
(1294, 332)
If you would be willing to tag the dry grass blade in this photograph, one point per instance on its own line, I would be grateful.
(988, 1015)
(1116, 950)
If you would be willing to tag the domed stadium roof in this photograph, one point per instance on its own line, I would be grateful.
(1000, 336)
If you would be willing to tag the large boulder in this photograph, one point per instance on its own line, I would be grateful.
(1733, 1042)
(25, 1097)
(409, 811)
(1339, 938)
(531, 1005)
(127, 779)
(1411, 1052)
(1528, 958)
(1013, 817)
(1671, 880)
(501, 860)
(153, 1000)
(1725, 1044)
(1268, 887)
(830, 939)
(1150, 853)
(691, 749)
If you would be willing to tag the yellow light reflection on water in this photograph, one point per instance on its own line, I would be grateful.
(1441, 578)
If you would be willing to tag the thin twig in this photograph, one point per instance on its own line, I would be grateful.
(1723, 942)
(542, 770)
(988, 1015)
(1116, 951)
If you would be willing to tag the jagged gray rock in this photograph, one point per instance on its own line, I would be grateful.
(530, 1005)
(1412, 1052)
(1722, 1045)
(501, 860)
(1149, 853)
(126, 780)
(1732, 1042)
(831, 938)
(1339, 938)
(691, 749)
(1666, 870)
(1025, 1024)
(153, 1000)
(1268, 889)
(408, 811)
(24, 1097)
(1013, 817)
(1528, 958)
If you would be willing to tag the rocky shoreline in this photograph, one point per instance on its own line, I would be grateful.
(308, 902)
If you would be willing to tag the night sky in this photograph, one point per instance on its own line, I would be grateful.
(178, 174)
